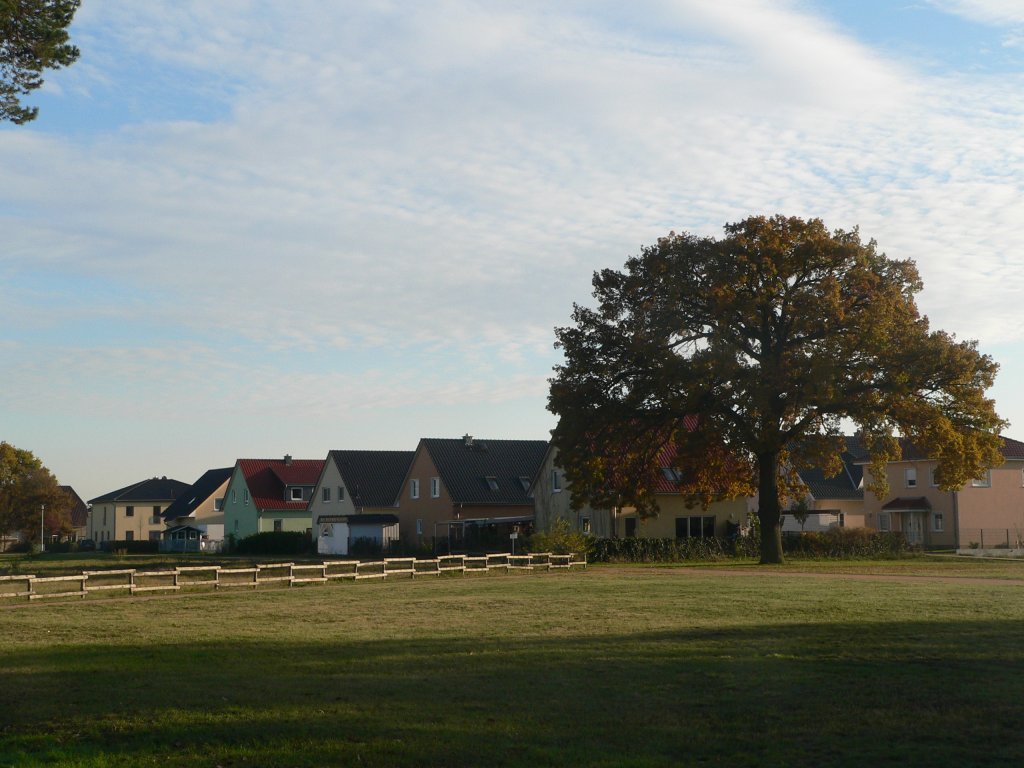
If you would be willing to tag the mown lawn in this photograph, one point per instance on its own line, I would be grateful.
(608, 667)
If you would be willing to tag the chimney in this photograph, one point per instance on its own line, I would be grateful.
(287, 460)
(467, 440)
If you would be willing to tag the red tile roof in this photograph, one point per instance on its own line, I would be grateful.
(267, 479)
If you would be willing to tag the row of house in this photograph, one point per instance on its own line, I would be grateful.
(452, 494)
(986, 513)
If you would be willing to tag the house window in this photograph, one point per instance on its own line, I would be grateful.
(696, 527)
(556, 481)
(341, 492)
(937, 522)
(842, 519)
(155, 519)
(910, 475)
(218, 504)
(525, 482)
(278, 526)
(129, 511)
(326, 494)
(129, 535)
(435, 487)
(934, 474)
(245, 497)
(414, 489)
(156, 511)
(630, 527)
(985, 481)
(234, 497)
(155, 535)
(296, 494)
(419, 527)
(492, 483)
(884, 521)
(585, 524)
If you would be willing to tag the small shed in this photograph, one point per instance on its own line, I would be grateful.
(339, 534)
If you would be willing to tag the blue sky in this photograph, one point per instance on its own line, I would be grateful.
(245, 228)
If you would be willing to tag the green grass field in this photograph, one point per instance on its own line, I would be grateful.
(608, 667)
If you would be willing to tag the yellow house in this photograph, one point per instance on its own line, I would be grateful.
(133, 513)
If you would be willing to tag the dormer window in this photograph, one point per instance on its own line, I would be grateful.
(296, 494)
(492, 483)
(525, 482)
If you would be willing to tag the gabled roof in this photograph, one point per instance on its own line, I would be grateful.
(478, 471)
(200, 491)
(79, 509)
(268, 478)
(154, 489)
(373, 478)
(845, 485)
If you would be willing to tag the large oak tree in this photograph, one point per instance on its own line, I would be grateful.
(744, 357)
(33, 37)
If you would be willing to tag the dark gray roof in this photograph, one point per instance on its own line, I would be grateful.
(478, 471)
(201, 490)
(845, 485)
(154, 489)
(373, 478)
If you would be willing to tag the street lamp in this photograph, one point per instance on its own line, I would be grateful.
(42, 533)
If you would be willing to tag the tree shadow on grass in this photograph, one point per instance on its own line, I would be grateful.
(910, 693)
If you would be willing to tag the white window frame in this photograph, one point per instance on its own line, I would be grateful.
(341, 493)
(414, 488)
(325, 493)
(556, 481)
(293, 497)
(938, 524)
(984, 481)
(884, 522)
(435, 487)
(419, 526)
(910, 477)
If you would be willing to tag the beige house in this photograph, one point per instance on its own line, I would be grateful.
(987, 513)
(133, 513)
(675, 519)
(201, 508)
(552, 501)
(833, 501)
(356, 497)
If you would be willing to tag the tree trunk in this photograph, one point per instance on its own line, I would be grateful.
(768, 512)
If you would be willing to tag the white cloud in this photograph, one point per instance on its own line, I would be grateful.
(984, 11)
(386, 189)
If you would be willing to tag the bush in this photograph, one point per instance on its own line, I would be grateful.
(561, 539)
(846, 542)
(637, 550)
(276, 543)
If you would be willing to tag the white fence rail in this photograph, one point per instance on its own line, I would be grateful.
(133, 581)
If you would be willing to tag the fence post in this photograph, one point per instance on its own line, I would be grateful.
(982, 537)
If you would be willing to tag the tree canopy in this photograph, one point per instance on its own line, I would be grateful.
(25, 486)
(742, 358)
(33, 37)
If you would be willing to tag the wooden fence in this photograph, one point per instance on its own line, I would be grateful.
(134, 581)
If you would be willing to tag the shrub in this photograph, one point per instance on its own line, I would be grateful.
(276, 543)
(846, 542)
(637, 550)
(561, 539)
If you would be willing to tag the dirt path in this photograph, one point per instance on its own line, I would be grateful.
(770, 573)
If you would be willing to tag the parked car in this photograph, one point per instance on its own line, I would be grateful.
(86, 545)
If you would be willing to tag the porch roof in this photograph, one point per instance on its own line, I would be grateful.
(915, 504)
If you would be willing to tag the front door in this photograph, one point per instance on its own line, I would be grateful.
(913, 528)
